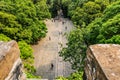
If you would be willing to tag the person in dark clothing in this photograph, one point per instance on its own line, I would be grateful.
(66, 28)
(63, 22)
(49, 38)
(52, 66)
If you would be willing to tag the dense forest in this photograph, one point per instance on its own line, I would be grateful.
(96, 21)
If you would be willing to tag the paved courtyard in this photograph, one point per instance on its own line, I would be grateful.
(48, 63)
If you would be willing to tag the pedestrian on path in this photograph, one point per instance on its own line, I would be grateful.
(52, 66)
(66, 28)
(49, 38)
(63, 22)
(60, 33)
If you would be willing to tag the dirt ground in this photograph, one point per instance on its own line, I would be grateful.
(48, 63)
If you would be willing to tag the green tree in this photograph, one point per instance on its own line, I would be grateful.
(84, 15)
(79, 17)
(56, 6)
(64, 7)
(110, 28)
(4, 38)
(111, 11)
(23, 19)
(26, 54)
(73, 76)
(42, 10)
(9, 25)
(92, 31)
(105, 29)
(25, 50)
(103, 4)
(93, 11)
(75, 52)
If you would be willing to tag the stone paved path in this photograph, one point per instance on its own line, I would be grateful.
(47, 61)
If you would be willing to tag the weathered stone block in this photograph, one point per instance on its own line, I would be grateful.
(103, 62)
(9, 53)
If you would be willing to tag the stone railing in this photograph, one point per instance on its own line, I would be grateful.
(10, 62)
(103, 62)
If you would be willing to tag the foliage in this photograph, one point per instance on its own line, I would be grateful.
(42, 11)
(74, 4)
(76, 76)
(111, 11)
(25, 50)
(32, 76)
(64, 7)
(55, 6)
(83, 12)
(8, 25)
(38, 30)
(92, 31)
(91, 7)
(29, 68)
(4, 38)
(105, 29)
(86, 14)
(75, 52)
(27, 58)
(93, 11)
(23, 19)
(103, 4)
(111, 27)
(61, 78)
(79, 17)
(73, 76)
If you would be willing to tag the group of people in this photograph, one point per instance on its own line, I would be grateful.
(63, 22)
(65, 26)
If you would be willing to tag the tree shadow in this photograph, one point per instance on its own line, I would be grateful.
(47, 71)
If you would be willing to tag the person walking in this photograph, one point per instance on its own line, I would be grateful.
(49, 38)
(66, 28)
(52, 66)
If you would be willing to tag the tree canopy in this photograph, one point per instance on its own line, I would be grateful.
(23, 19)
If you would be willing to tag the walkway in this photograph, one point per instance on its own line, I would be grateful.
(47, 61)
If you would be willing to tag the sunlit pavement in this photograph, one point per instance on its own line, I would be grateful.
(47, 61)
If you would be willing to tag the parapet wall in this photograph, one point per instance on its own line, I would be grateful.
(103, 62)
(10, 62)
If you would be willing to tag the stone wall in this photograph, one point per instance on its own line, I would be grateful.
(103, 62)
(10, 62)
